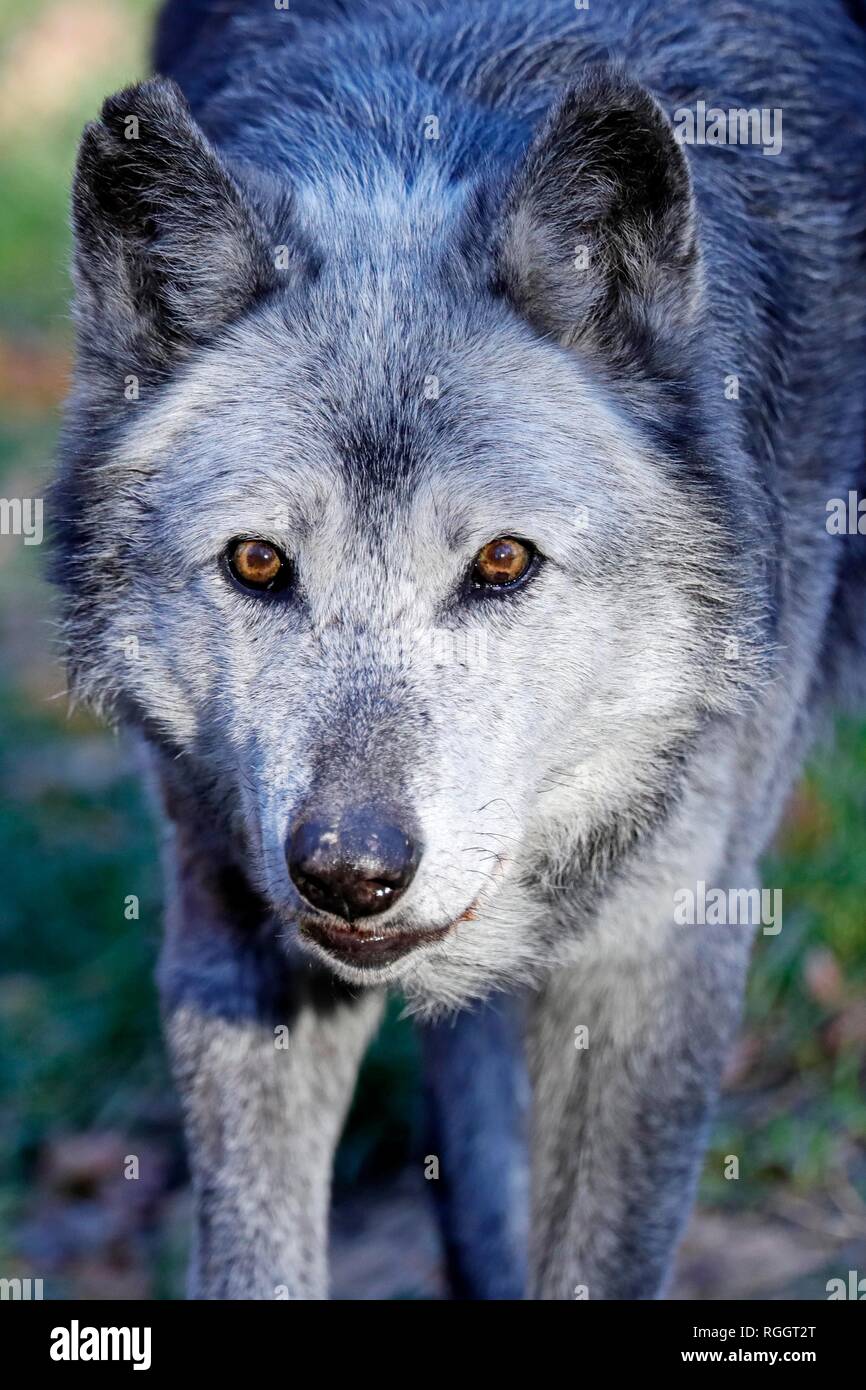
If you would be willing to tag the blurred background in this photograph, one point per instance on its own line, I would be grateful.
(83, 1082)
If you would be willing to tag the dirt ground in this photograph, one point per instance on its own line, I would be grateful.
(385, 1246)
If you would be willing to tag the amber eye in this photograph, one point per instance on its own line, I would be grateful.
(502, 562)
(258, 565)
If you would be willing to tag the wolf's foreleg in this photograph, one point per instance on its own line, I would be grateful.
(265, 1055)
(477, 1097)
(626, 1057)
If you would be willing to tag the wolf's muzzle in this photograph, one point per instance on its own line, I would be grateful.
(355, 866)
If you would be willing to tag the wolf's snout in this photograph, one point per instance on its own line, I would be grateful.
(355, 867)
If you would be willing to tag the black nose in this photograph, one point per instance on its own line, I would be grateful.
(354, 867)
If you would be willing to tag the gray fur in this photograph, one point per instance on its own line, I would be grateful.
(284, 264)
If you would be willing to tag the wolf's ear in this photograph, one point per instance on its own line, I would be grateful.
(596, 243)
(167, 247)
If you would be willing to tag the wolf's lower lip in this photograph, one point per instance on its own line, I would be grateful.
(367, 946)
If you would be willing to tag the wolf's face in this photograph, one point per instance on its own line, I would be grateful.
(420, 599)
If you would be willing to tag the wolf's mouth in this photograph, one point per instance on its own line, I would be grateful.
(368, 947)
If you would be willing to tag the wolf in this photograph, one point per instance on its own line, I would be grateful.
(441, 508)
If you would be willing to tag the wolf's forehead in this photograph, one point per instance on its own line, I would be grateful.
(232, 450)
(281, 420)
(281, 403)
